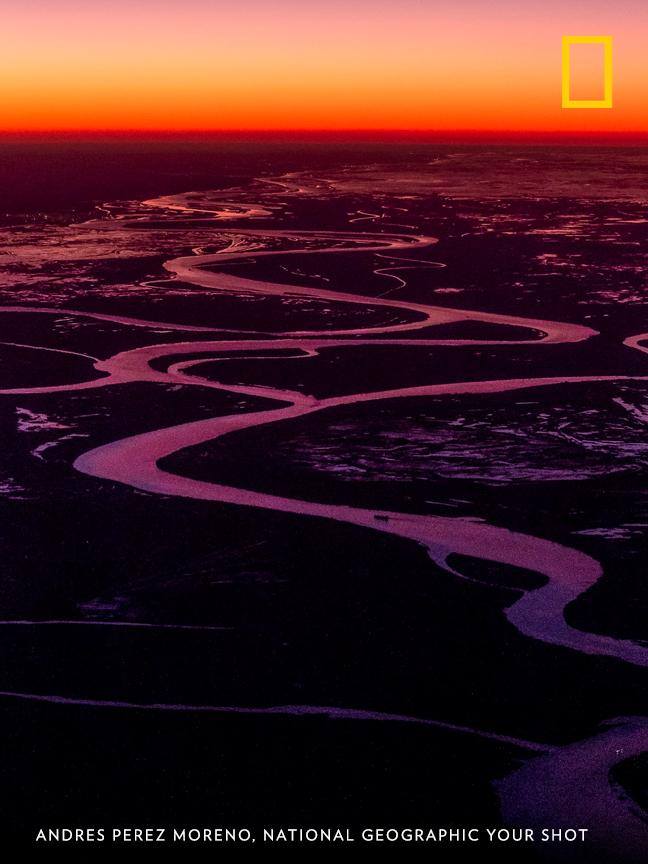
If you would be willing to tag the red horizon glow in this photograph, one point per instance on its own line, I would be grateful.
(338, 134)
(369, 66)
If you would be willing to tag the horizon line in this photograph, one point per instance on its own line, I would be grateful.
(376, 133)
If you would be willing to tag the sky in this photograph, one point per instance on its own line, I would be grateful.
(316, 64)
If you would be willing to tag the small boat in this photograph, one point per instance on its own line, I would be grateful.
(381, 518)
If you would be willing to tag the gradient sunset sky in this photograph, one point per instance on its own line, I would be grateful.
(318, 64)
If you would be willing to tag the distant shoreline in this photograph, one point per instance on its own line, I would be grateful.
(446, 136)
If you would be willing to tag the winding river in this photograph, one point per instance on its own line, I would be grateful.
(538, 614)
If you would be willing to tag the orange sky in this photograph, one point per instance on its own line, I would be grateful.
(323, 64)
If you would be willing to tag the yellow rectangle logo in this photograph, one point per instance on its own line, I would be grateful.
(567, 42)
